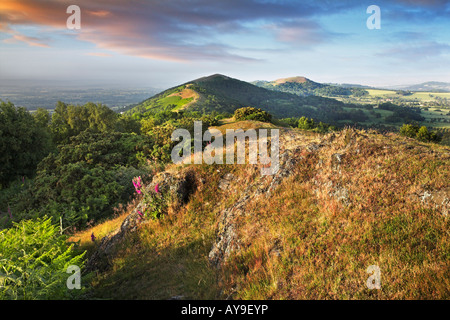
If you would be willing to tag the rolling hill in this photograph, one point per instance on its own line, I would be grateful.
(305, 87)
(222, 94)
(431, 86)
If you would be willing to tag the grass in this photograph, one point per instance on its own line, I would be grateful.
(380, 93)
(83, 238)
(423, 96)
(301, 242)
(168, 257)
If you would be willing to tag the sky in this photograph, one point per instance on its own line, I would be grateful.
(163, 43)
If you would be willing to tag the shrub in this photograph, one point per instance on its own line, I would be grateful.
(306, 124)
(33, 262)
(419, 133)
(249, 113)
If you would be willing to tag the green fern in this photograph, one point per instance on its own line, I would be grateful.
(33, 262)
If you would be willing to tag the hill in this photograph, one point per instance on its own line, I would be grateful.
(221, 94)
(340, 203)
(305, 87)
(430, 86)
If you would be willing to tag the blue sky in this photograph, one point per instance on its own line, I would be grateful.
(164, 43)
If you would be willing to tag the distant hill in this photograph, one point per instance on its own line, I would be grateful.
(221, 94)
(433, 86)
(302, 86)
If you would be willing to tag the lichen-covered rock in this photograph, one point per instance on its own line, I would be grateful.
(227, 238)
(439, 199)
(180, 185)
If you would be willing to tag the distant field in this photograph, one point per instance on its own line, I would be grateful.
(175, 100)
(425, 96)
(379, 93)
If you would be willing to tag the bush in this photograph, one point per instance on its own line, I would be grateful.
(306, 124)
(249, 113)
(33, 262)
(82, 182)
(419, 133)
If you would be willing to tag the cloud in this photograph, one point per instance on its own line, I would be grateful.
(299, 32)
(168, 30)
(31, 41)
(99, 13)
(98, 54)
(417, 51)
(181, 30)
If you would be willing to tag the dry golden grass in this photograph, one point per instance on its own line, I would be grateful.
(300, 244)
(83, 238)
(312, 238)
(244, 125)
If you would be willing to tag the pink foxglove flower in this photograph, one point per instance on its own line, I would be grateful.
(93, 237)
(10, 214)
(137, 182)
(140, 213)
(157, 188)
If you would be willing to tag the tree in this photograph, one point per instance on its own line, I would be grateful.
(423, 134)
(409, 130)
(42, 118)
(70, 120)
(23, 143)
(420, 133)
(306, 124)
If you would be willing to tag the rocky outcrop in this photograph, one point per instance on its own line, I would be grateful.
(439, 200)
(180, 185)
(328, 155)
(227, 239)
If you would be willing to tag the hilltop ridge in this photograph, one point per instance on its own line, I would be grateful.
(221, 94)
(340, 203)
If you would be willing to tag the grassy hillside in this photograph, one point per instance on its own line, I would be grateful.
(221, 94)
(302, 86)
(297, 97)
(340, 203)
(435, 105)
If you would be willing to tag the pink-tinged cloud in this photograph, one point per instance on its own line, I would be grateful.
(155, 30)
(99, 13)
(99, 54)
(31, 41)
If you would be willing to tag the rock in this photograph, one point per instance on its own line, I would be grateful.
(181, 184)
(224, 183)
(101, 258)
(227, 240)
(439, 199)
(336, 160)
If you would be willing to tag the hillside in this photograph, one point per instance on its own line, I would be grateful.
(221, 94)
(430, 86)
(302, 86)
(340, 203)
